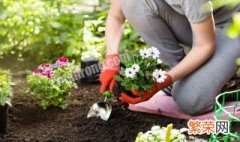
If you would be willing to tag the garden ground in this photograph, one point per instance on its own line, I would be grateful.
(29, 122)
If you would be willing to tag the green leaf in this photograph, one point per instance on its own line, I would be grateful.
(118, 78)
(147, 87)
(44, 104)
(141, 73)
(134, 87)
(238, 62)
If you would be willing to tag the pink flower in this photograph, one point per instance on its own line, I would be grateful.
(50, 74)
(62, 61)
(45, 67)
(44, 70)
(37, 71)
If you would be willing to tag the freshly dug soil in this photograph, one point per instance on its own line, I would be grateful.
(28, 122)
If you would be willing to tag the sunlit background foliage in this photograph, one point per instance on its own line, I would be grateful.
(47, 29)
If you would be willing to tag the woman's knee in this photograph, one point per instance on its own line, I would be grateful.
(193, 101)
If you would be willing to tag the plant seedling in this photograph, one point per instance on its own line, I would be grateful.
(107, 94)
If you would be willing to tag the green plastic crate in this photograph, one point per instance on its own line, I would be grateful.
(227, 112)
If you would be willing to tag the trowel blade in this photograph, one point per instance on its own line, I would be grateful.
(100, 109)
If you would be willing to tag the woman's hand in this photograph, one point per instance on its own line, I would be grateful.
(203, 49)
(111, 68)
(114, 30)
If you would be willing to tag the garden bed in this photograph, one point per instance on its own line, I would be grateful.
(29, 122)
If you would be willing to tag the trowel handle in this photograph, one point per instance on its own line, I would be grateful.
(105, 99)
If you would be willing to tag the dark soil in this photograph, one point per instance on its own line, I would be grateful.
(28, 122)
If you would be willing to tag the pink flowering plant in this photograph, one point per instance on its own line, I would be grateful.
(51, 83)
(142, 70)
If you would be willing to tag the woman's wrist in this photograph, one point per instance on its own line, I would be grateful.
(112, 62)
(172, 75)
(112, 51)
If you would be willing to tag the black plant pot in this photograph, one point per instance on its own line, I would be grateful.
(3, 119)
(90, 70)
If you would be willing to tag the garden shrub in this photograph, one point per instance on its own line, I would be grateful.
(6, 91)
(51, 83)
(48, 29)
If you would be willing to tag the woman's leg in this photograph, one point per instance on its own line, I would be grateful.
(162, 27)
(195, 94)
(154, 21)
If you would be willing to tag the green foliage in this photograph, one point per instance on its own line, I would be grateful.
(94, 36)
(220, 3)
(48, 29)
(131, 40)
(6, 91)
(234, 29)
(43, 27)
(52, 91)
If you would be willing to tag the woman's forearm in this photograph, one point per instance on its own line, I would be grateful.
(203, 49)
(114, 27)
(114, 30)
(193, 60)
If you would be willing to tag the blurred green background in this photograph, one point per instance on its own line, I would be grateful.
(42, 30)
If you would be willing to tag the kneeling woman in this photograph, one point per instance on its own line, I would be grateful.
(167, 24)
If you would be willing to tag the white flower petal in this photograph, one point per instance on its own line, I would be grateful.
(155, 128)
(135, 67)
(144, 53)
(159, 75)
(129, 72)
(154, 52)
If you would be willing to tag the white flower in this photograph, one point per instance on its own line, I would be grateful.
(135, 67)
(182, 138)
(129, 72)
(144, 53)
(159, 134)
(159, 75)
(154, 52)
(150, 52)
(155, 128)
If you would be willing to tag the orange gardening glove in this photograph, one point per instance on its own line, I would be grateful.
(111, 68)
(125, 98)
